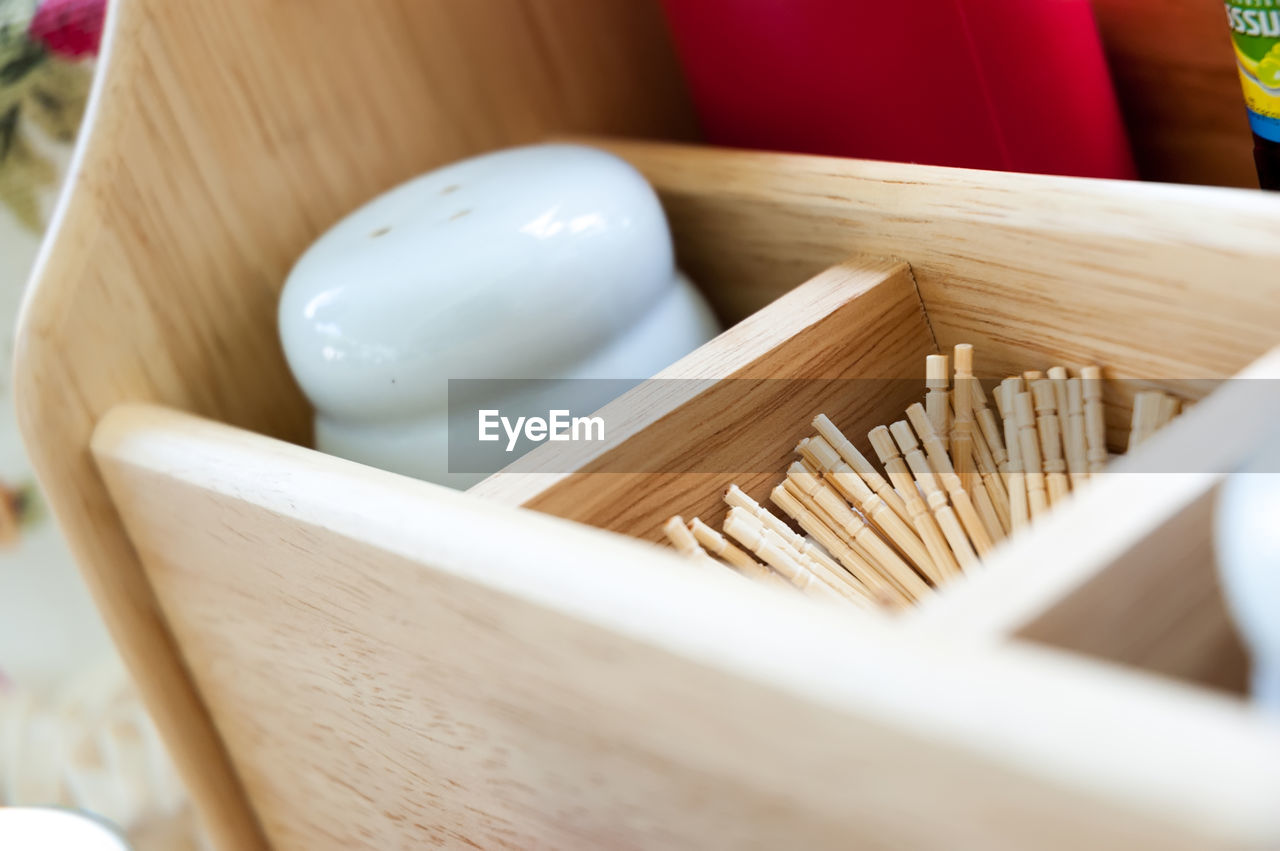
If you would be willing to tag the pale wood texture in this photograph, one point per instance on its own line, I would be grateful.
(221, 139)
(1031, 270)
(390, 673)
(1175, 76)
(860, 319)
(217, 148)
(1105, 273)
(1158, 607)
(1126, 571)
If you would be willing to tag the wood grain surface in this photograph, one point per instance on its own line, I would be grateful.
(1126, 572)
(1157, 607)
(677, 442)
(1153, 282)
(221, 139)
(1032, 270)
(389, 673)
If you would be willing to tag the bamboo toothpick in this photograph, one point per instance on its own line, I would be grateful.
(874, 584)
(982, 524)
(996, 492)
(1147, 409)
(996, 495)
(735, 497)
(850, 484)
(992, 457)
(889, 563)
(830, 522)
(716, 544)
(1057, 376)
(989, 426)
(936, 400)
(886, 536)
(860, 465)
(1074, 439)
(1019, 511)
(1029, 445)
(943, 562)
(749, 532)
(1095, 423)
(837, 528)
(934, 495)
(684, 542)
(1049, 428)
(962, 426)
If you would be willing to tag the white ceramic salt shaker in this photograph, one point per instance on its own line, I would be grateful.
(44, 828)
(546, 261)
(1248, 548)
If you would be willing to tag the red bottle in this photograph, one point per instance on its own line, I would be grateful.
(999, 84)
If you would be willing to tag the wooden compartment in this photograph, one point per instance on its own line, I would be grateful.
(316, 595)
(341, 657)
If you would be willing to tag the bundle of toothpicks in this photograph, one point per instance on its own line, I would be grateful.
(955, 479)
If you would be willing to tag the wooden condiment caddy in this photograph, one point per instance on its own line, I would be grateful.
(341, 657)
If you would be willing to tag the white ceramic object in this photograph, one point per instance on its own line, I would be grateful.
(1248, 546)
(48, 829)
(547, 261)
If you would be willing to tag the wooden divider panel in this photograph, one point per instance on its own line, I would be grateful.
(1152, 281)
(733, 411)
(1125, 571)
(1157, 607)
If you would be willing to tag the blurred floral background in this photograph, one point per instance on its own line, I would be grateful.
(72, 731)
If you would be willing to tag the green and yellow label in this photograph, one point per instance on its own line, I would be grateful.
(1255, 31)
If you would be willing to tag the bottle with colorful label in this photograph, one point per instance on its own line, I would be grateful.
(1255, 32)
